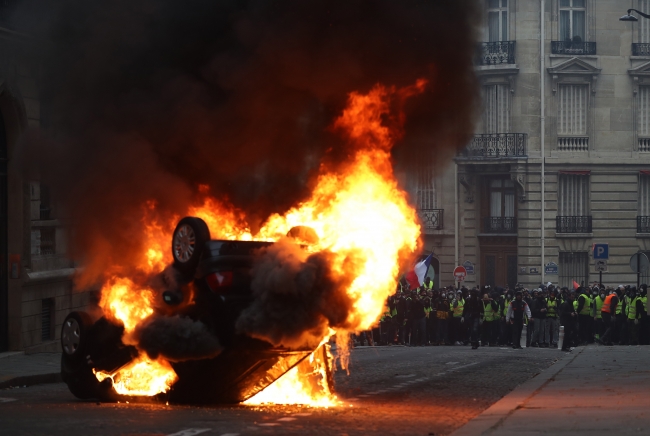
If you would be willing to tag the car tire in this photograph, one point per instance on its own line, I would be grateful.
(188, 241)
(80, 379)
(74, 336)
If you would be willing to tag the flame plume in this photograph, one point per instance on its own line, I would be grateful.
(355, 208)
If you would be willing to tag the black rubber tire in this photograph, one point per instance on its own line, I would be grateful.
(187, 263)
(80, 379)
(82, 323)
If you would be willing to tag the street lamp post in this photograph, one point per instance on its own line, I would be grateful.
(630, 17)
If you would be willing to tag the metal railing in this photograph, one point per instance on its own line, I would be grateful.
(494, 53)
(643, 224)
(573, 224)
(499, 224)
(573, 48)
(431, 219)
(644, 144)
(573, 143)
(496, 145)
(640, 49)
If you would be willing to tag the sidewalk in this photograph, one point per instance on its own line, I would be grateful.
(20, 369)
(593, 391)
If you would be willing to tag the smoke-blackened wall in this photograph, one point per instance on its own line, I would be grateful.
(145, 100)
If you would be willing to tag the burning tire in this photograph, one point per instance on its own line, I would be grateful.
(188, 241)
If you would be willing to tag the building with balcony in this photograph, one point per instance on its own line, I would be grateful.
(523, 198)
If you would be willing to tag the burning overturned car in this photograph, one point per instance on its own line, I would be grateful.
(206, 289)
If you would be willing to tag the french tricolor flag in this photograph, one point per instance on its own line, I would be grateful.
(415, 277)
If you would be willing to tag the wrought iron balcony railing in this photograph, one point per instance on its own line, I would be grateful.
(496, 145)
(431, 219)
(640, 49)
(499, 224)
(573, 224)
(573, 48)
(643, 224)
(494, 53)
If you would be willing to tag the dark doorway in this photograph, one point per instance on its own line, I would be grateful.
(499, 261)
(4, 294)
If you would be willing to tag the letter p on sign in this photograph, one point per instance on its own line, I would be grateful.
(601, 251)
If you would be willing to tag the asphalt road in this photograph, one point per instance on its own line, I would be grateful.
(390, 390)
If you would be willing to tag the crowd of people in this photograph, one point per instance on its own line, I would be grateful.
(496, 316)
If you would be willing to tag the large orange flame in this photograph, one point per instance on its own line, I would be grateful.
(357, 207)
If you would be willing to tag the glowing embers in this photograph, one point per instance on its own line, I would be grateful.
(141, 377)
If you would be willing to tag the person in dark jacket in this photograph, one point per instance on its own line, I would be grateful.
(418, 319)
(568, 318)
(538, 310)
(443, 315)
(584, 317)
(473, 316)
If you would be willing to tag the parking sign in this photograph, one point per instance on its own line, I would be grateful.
(601, 251)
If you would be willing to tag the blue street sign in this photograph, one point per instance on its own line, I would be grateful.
(601, 251)
(469, 266)
(551, 269)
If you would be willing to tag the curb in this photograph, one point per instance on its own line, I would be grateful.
(30, 380)
(489, 421)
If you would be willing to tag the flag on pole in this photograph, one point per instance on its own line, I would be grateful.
(575, 285)
(415, 277)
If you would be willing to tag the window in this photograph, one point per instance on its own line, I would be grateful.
(496, 115)
(47, 319)
(427, 201)
(573, 203)
(426, 188)
(643, 204)
(497, 20)
(573, 194)
(572, 117)
(501, 207)
(644, 25)
(643, 121)
(572, 20)
(574, 265)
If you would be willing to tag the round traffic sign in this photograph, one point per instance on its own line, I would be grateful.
(460, 273)
(639, 262)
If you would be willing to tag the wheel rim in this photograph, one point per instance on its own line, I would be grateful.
(184, 241)
(70, 336)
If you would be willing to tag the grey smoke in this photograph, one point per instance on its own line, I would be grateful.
(297, 297)
(176, 339)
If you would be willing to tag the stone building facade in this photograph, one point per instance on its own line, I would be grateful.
(590, 90)
(36, 291)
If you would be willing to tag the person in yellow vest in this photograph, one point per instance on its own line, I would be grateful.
(457, 306)
(619, 320)
(490, 315)
(633, 310)
(644, 324)
(584, 315)
(552, 318)
(596, 312)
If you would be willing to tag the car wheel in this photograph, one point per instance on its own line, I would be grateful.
(74, 335)
(80, 379)
(188, 241)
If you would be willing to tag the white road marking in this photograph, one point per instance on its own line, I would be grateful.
(462, 366)
(451, 363)
(405, 376)
(268, 424)
(190, 432)
(7, 400)
(287, 419)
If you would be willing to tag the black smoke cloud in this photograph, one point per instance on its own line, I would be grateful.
(297, 297)
(145, 100)
(176, 338)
